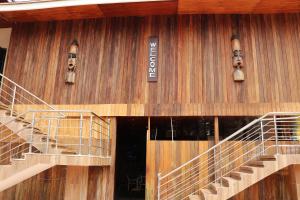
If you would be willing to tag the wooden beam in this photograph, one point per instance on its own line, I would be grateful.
(216, 130)
(149, 128)
(113, 136)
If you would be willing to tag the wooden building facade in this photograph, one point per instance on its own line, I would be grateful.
(194, 79)
(194, 72)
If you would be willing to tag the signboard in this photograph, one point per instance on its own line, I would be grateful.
(153, 59)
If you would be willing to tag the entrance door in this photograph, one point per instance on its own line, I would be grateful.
(2, 58)
(131, 158)
(4, 43)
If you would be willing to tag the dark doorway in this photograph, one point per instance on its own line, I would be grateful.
(2, 59)
(181, 128)
(228, 125)
(131, 158)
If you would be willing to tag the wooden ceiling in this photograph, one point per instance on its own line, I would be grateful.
(17, 12)
(238, 6)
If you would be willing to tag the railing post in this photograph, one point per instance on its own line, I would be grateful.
(13, 100)
(262, 136)
(80, 134)
(101, 144)
(108, 135)
(91, 129)
(158, 186)
(220, 164)
(32, 129)
(276, 134)
(215, 166)
(48, 135)
(10, 151)
(56, 133)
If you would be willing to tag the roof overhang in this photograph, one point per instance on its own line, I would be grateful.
(48, 4)
(46, 10)
(82, 9)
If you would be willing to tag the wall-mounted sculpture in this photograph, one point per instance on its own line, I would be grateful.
(72, 62)
(237, 57)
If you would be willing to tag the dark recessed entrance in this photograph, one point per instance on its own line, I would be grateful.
(2, 59)
(131, 158)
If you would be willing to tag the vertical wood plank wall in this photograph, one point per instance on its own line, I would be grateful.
(163, 156)
(195, 75)
(195, 69)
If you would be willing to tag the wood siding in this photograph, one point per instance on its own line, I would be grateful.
(63, 182)
(194, 62)
(164, 156)
(195, 72)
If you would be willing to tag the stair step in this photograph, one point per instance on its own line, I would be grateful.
(35, 130)
(206, 191)
(13, 113)
(246, 169)
(236, 175)
(25, 123)
(267, 158)
(30, 127)
(213, 187)
(227, 181)
(69, 152)
(3, 106)
(44, 139)
(18, 159)
(60, 146)
(256, 163)
(38, 132)
(207, 194)
(22, 157)
(21, 119)
(194, 197)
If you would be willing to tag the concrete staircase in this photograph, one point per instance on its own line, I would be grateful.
(246, 176)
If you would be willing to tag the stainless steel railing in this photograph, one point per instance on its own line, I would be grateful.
(274, 133)
(30, 125)
(47, 132)
(17, 99)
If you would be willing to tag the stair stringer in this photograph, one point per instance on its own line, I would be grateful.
(21, 170)
(249, 179)
(33, 164)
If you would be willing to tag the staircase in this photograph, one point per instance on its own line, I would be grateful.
(261, 148)
(35, 136)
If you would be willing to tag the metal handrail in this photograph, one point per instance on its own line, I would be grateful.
(205, 168)
(255, 141)
(212, 159)
(46, 128)
(227, 139)
(40, 120)
(23, 89)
